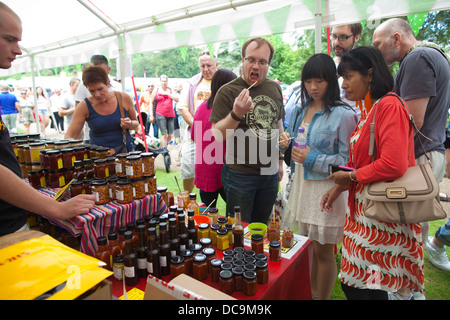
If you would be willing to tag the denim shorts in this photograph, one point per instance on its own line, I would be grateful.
(165, 124)
(255, 194)
(443, 234)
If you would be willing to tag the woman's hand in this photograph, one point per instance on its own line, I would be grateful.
(284, 139)
(328, 198)
(126, 123)
(341, 178)
(299, 155)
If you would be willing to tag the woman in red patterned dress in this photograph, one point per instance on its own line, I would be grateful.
(377, 257)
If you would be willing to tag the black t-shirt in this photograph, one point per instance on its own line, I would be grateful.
(253, 148)
(12, 218)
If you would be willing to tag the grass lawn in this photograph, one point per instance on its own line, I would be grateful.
(437, 282)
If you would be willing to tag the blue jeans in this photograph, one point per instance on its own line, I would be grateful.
(443, 234)
(255, 194)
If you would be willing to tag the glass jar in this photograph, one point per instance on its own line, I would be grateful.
(138, 188)
(100, 190)
(287, 239)
(133, 167)
(112, 183)
(151, 181)
(203, 230)
(120, 162)
(118, 267)
(274, 250)
(102, 152)
(222, 221)
(188, 256)
(257, 243)
(210, 254)
(68, 157)
(68, 174)
(200, 267)
(215, 269)
(176, 266)
(124, 191)
(43, 160)
(226, 283)
(163, 192)
(273, 231)
(101, 168)
(238, 277)
(213, 214)
(249, 283)
(79, 173)
(213, 233)
(61, 144)
(79, 153)
(87, 185)
(36, 179)
(111, 163)
(148, 163)
(35, 150)
(54, 158)
(89, 168)
(56, 179)
(222, 239)
(76, 188)
(262, 271)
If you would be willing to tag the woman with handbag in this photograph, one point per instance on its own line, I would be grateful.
(377, 257)
(109, 114)
(329, 123)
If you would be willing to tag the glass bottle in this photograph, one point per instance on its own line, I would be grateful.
(164, 247)
(200, 267)
(130, 261)
(191, 229)
(249, 284)
(142, 252)
(153, 259)
(188, 256)
(113, 243)
(131, 226)
(103, 252)
(118, 267)
(226, 283)
(238, 229)
(193, 205)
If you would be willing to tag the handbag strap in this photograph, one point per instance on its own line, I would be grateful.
(372, 144)
(122, 115)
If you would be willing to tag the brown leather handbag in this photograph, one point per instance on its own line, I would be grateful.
(413, 198)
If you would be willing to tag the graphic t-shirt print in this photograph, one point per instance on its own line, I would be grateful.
(264, 117)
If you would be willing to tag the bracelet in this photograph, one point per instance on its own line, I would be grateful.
(235, 117)
(351, 177)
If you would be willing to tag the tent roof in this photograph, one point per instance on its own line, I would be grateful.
(59, 33)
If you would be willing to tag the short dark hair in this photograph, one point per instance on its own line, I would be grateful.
(356, 28)
(221, 77)
(99, 59)
(260, 42)
(95, 74)
(364, 58)
(321, 66)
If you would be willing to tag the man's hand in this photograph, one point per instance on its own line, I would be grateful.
(243, 104)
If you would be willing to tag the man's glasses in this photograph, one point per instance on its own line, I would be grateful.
(261, 63)
(342, 37)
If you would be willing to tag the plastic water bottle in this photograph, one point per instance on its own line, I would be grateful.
(300, 139)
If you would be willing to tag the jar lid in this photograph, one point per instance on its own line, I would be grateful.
(228, 259)
(128, 235)
(37, 144)
(122, 155)
(222, 220)
(53, 151)
(110, 158)
(213, 210)
(192, 196)
(239, 255)
(98, 182)
(228, 252)
(222, 231)
(67, 150)
(78, 163)
(136, 179)
(102, 149)
(100, 161)
(216, 262)
(177, 259)
(186, 252)
(249, 267)
(275, 244)
(147, 154)
(76, 182)
(191, 212)
(123, 181)
(134, 157)
(87, 161)
(250, 275)
(113, 178)
(209, 251)
(257, 237)
(239, 250)
(215, 226)
(238, 270)
(238, 263)
(260, 264)
(79, 148)
(249, 253)
(200, 257)
(261, 256)
(226, 274)
(112, 235)
(203, 225)
(205, 241)
(226, 266)
(101, 241)
(161, 189)
(195, 247)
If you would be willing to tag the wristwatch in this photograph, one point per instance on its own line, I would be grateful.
(235, 117)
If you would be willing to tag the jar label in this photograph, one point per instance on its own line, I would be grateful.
(142, 263)
(35, 155)
(118, 273)
(129, 272)
(129, 170)
(43, 184)
(119, 195)
(97, 198)
(73, 160)
(60, 163)
(163, 261)
(118, 168)
(107, 172)
(62, 181)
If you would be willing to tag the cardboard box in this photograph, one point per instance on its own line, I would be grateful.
(182, 287)
(103, 291)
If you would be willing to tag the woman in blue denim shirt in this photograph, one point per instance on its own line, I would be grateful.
(329, 122)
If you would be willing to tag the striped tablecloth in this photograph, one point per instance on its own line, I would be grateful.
(105, 218)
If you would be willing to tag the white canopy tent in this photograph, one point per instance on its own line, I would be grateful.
(66, 32)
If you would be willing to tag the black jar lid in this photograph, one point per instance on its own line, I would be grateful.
(250, 275)
(177, 259)
(226, 274)
(199, 257)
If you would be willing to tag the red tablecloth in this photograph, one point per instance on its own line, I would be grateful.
(289, 279)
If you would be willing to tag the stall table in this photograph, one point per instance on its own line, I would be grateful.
(105, 218)
(289, 278)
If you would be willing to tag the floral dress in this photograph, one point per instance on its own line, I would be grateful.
(379, 255)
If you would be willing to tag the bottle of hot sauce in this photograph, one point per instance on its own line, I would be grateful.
(238, 229)
(142, 252)
(103, 252)
(114, 246)
(130, 261)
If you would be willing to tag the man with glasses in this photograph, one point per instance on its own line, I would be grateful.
(344, 39)
(198, 91)
(248, 113)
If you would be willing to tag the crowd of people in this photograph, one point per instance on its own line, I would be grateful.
(234, 144)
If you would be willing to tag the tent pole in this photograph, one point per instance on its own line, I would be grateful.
(318, 26)
(33, 83)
